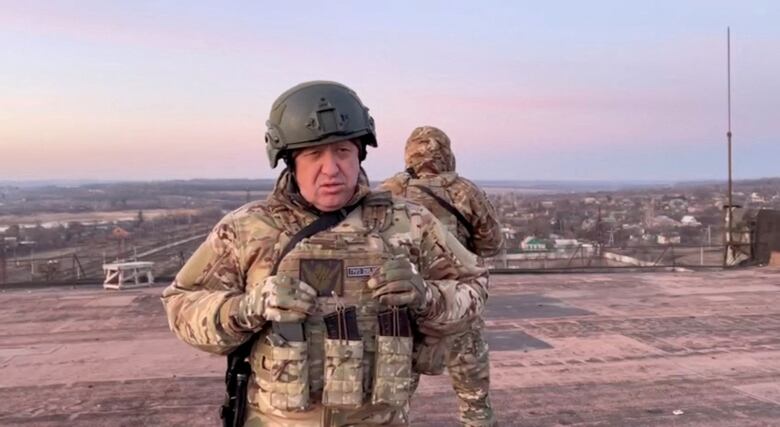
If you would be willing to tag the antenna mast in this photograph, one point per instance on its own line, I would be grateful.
(730, 206)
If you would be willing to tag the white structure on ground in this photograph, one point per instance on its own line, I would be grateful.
(128, 275)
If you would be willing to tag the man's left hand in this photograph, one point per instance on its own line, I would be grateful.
(397, 282)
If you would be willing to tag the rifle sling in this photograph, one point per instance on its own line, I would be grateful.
(446, 205)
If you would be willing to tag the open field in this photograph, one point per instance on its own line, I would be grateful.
(54, 219)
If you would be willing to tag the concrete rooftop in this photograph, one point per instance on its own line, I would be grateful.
(621, 349)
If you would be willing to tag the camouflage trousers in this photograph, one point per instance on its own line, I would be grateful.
(319, 416)
(468, 363)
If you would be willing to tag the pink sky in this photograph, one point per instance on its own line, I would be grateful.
(92, 90)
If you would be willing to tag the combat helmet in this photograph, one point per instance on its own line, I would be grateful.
(317, 113)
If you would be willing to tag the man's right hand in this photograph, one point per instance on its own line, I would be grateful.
(279, 299)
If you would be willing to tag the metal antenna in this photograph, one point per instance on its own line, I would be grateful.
(730, 207)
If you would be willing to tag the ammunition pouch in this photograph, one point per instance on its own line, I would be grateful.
(343, 358)
(282, 372)
(343, 374)
(392, 371)
(393, 363)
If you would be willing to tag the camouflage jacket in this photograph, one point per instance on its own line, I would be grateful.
(242, 248)
(430, 162)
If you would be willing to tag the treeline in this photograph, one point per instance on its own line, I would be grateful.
(200, 193)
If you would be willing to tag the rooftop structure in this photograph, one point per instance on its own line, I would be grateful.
(650, 349)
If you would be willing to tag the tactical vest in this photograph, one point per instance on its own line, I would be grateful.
(338, 373)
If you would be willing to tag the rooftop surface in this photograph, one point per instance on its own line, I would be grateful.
(620, 349)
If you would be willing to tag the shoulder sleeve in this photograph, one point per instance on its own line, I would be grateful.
(488, 238)
(396, 184)
(205, 291)
(458, 285)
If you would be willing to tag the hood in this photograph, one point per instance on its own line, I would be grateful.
(428, 152)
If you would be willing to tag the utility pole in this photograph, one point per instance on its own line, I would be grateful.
(32, 263)
(729, 206)
(2, 265)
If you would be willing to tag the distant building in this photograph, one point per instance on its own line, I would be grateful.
(756, 198)
(563, 244)
(532, 243)
(689, 221)
(509, 233)
(674, 203)
(664, 221)
(669, 239)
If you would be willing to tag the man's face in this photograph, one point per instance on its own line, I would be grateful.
(327, 174)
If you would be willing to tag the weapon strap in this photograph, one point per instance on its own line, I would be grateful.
(448, 206)
(238, 369)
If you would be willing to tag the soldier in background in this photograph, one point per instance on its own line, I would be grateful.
(430, 180)
(314, 292)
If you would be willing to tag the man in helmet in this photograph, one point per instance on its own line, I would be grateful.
(430, 180)
(314, 292)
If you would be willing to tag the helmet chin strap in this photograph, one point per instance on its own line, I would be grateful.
(361, 146)
(293, 186)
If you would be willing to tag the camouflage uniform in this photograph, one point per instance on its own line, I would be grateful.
(431, 163)
(237, 256)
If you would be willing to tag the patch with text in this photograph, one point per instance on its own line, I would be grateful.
(362, 271)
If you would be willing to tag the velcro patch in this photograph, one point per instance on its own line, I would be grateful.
(324, 275)
(362, 271)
